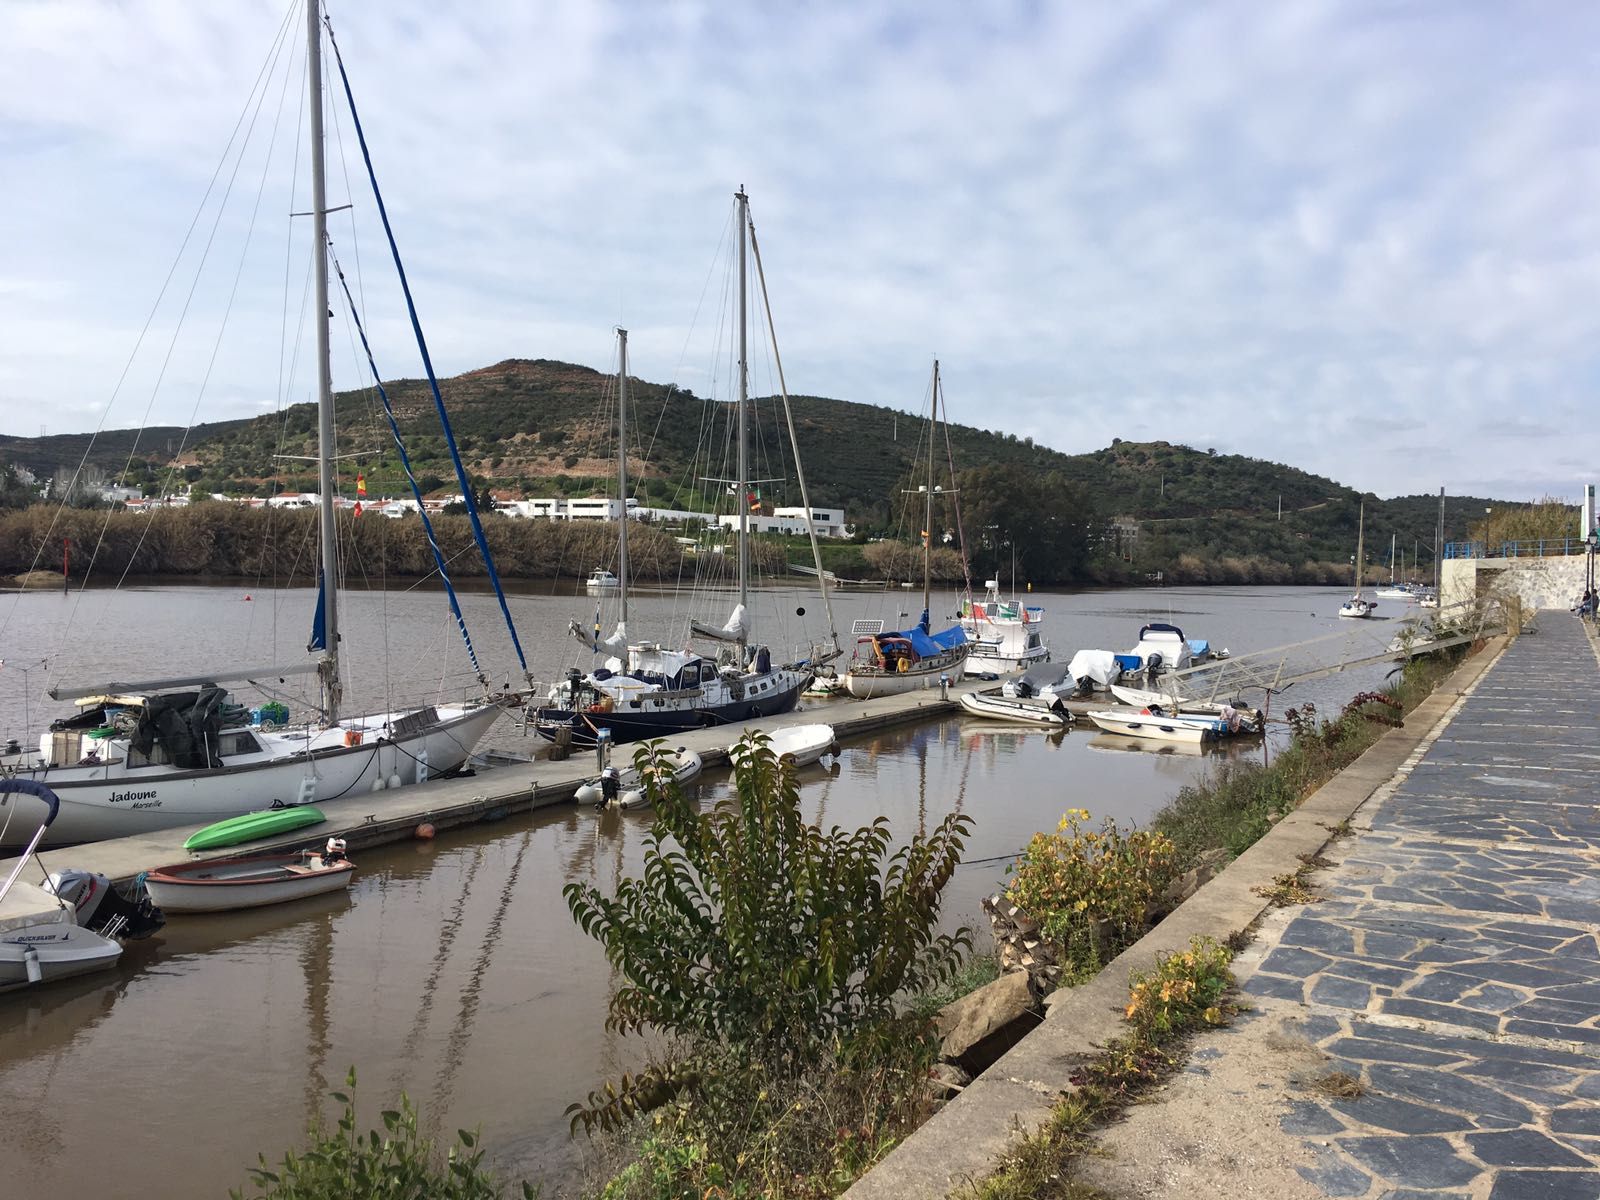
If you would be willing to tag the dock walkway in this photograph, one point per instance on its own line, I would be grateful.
(376, 818)
(1453, 973)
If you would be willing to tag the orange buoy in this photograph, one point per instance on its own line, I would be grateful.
(425, 831)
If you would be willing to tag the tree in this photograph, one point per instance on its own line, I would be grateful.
(755, 935)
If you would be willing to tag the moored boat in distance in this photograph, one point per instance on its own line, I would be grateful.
(602, 580)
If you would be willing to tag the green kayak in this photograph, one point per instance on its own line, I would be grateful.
(250, 826)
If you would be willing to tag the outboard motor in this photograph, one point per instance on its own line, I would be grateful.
(610, 785)
(333, 852)
(104, 909)
(1153, 664)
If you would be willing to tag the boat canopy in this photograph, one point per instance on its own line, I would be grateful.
(1101, 666)
(928, 644)
(1163, 633)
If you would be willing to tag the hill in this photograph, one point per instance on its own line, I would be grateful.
(539, 428)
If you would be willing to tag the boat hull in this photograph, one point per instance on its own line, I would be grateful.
(803, 745)
(985, 660)
(1161, 729)
(1003, 708)
(59, 950)
(865, 682)
(95, 807)
(252, 826)
(647, 717)
(229, 883)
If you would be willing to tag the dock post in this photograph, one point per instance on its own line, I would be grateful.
(944, 685)
(602, 743)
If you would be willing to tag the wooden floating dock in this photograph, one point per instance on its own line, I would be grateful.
(377, 818)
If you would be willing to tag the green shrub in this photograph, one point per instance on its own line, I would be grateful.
(398, 1164)
(1090, 890)
(753, 933)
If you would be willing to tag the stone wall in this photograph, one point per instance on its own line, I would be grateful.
(1540, 582)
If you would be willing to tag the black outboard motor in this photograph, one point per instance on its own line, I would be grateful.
(1153, 664)
(105, 909)
(610, 785)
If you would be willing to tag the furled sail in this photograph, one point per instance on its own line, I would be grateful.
(736, 630)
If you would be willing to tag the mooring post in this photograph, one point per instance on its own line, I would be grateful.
(944, 686)
(602, 743)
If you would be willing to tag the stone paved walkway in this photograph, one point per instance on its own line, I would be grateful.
(1453, 971)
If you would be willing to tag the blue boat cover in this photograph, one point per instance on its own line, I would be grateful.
(926, 644)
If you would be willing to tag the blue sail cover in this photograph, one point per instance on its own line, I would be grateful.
(926, 644)
(319, 623)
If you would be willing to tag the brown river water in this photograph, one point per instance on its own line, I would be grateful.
(452, 970)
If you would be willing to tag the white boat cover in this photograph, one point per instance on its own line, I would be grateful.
(1099, 666)
(736, 630)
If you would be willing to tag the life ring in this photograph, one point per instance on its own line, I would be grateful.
(903, 665)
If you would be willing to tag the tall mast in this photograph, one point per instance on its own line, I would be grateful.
(927, 516)
(329, 668)
(744, 397)
(1361, 544)
(622, 472)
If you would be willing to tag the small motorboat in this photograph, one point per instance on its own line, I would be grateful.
(997, 707)
(624, 786)
(803, 745)
(1159, 726)
(1044, 682)
(1169, 702)
(602, 580)
(72, 924)
(221, 884)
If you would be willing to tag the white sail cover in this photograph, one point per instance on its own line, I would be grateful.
(736, 630)
(1097, 665)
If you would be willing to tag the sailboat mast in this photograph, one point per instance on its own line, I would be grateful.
(927, 516)
(622, 472)
(329, 668)
(1361, 544)
(744, 398)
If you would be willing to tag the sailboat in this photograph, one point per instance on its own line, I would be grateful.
(646, 689)
(1358, 605)
(1394, 589)
(887, 663)
(143, 755)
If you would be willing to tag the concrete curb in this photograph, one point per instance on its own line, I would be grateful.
(967, 1138)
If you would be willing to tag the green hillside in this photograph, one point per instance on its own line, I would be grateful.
(541, 428)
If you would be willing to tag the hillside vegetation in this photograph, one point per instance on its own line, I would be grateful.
(542, 428)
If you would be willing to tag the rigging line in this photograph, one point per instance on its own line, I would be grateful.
(227, 313)
(405, 461)
(955, 498)
(427, 361)
(794, 441)
(155, 305)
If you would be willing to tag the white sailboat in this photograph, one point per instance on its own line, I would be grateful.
(143, 755)
(646, 689)
(1358, 606)
(1394, 589)
(889, 662)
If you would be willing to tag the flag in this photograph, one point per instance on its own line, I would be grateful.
(755, 499)
(361, 485)
(358, 508)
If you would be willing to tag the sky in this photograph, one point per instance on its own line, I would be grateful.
(1360, 238)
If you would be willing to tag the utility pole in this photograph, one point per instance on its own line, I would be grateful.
(1280, 506)
(1439, 555)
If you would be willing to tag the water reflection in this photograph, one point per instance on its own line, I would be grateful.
(452, 969)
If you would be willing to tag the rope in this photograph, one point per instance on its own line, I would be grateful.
(427, 361)
(405, 462)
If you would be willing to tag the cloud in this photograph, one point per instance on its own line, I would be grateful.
(1328, 234)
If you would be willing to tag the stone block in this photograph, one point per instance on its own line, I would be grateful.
(978, 1028)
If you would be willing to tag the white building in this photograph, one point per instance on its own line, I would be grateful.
(828, 522)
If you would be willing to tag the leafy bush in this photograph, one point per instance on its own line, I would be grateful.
(1184, 991)
(398, 1164)
(1090, 890)
(755, 934)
